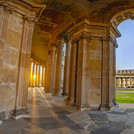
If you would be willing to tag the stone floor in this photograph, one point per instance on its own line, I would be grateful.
(50, 115)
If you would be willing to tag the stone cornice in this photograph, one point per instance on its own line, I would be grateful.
(30, 11)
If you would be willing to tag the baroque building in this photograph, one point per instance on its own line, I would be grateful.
(38, 29)
(125, 78)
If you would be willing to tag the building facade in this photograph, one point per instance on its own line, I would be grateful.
(125, 79)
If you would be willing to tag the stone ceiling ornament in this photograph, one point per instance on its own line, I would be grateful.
(92, 1)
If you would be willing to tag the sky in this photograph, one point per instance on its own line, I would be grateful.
(125, 50)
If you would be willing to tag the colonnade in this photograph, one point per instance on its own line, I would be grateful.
(37, 74)
(54, 67)
(124, 82)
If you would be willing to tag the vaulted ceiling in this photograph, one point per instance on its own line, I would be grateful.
(60, 14)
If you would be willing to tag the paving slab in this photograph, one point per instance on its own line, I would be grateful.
(128, 131)
(78, 117)
(108, 130)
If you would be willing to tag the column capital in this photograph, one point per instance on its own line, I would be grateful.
(84, 35)
(110, 39)
(67, 37)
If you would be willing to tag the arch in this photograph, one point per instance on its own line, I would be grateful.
(122, 16)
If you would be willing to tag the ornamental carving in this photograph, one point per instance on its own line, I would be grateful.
(110, 39)
(30, 19)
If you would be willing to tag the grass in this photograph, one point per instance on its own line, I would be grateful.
(124, 97)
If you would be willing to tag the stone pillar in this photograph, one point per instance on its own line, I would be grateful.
(58, 68)
(22, 87)
(43, 74)
(37, 75)
(43, 77)
(31, 73)
(129, 82)
(34, 74)
(47, 73)
(73, 73)
(120, 81)
(55, 71)
(123, 82)
(41, 84)
(52, 64)
(126, 81)
(66, 68)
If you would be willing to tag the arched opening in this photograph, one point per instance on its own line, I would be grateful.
(125, 66)
(123, 21)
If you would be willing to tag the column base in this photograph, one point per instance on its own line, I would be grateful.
(82, 107)
(20, 113)
(67, 100)
(56, 95)
(64, 94)
(92, 107)
(47, 91)
(105, 107)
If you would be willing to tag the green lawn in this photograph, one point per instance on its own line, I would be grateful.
(124, 97)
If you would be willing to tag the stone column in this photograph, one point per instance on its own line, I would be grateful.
(129, 82)
(55, 71)
(31, 74)
(58, 68)
(41, 76)
(37, 75)
(34, 74)
(47, 73)
(67, 63)
(126, 81)
(52, 64)
(120, 81)
(43, 73)
(22, 87)
(73, 73)
(123, 83)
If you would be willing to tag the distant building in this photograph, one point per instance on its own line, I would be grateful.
(125, 78)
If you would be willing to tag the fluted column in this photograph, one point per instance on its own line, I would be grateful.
(67, 63)
(58, 68)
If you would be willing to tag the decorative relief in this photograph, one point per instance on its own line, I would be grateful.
(65, 35)
(123, 16)
(30, 19)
